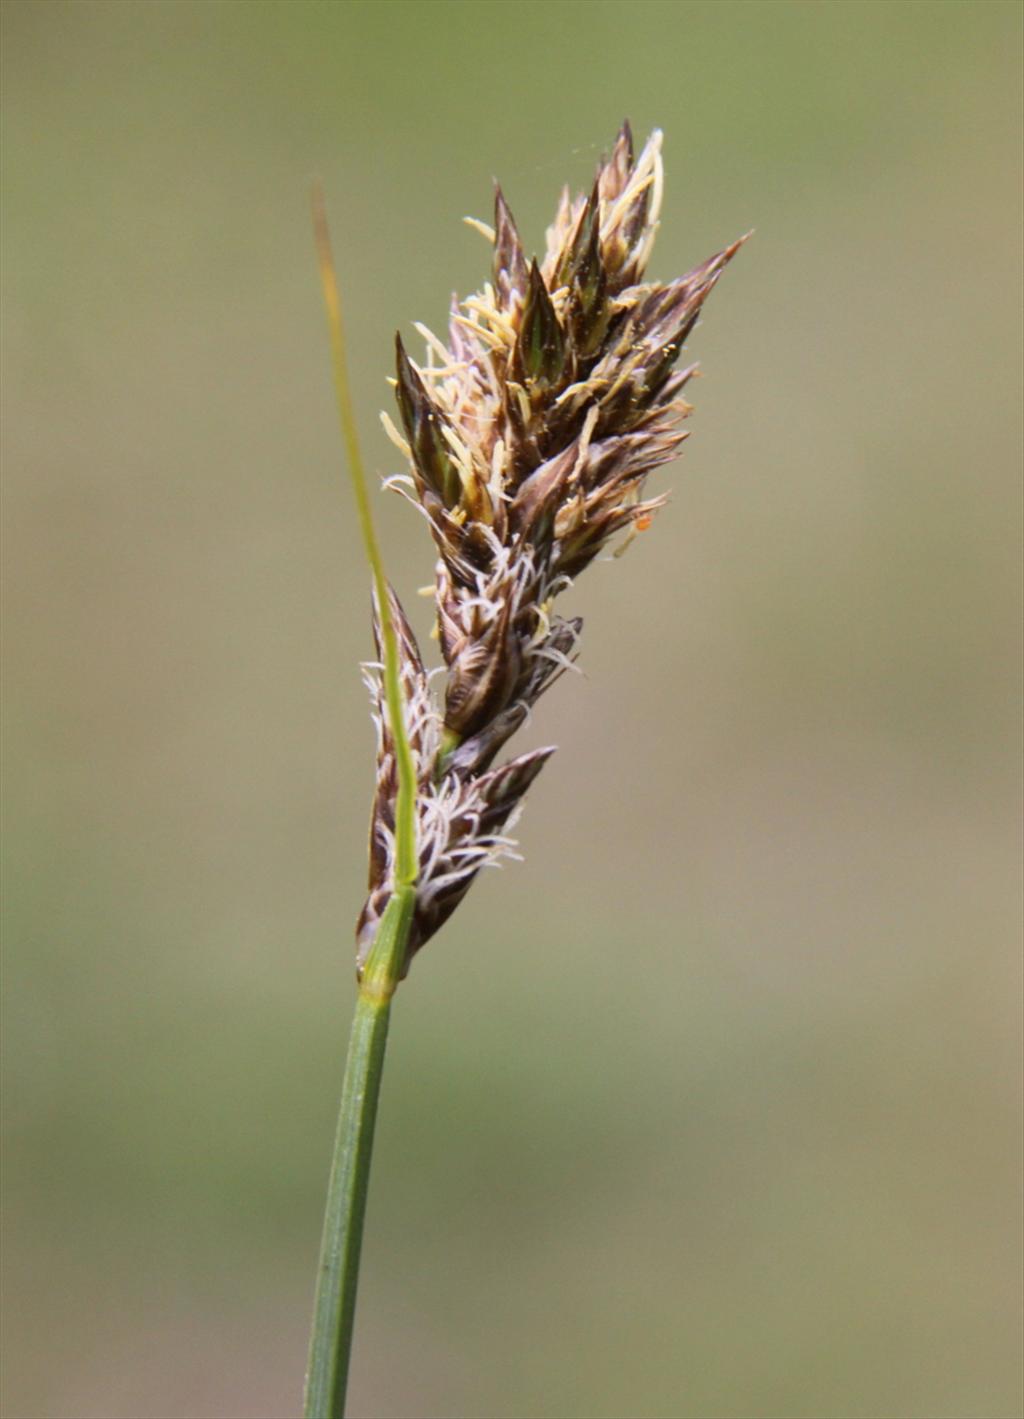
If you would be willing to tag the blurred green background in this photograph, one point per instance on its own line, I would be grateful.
(709, 1108)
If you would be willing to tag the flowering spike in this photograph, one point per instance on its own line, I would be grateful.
(530, 450)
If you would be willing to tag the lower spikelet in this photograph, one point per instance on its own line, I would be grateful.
(463, 810)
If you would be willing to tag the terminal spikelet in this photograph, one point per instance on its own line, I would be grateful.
(530, 435)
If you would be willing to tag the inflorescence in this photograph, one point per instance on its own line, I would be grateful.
(529, 437)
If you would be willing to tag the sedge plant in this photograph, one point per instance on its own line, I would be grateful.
(528, 438)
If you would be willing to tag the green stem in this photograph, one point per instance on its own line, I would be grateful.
(334, 1311)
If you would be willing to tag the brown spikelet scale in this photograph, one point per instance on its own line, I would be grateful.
(530, 436)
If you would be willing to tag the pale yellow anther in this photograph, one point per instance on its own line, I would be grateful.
(481, 331)
(489, 312)
(543, 621)
(589, 424)
(396, 438)
(485, 231)
(463, 458)
(522, 399)
(622, 204)
(433, 343)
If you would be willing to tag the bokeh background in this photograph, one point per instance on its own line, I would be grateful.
(712, 1106)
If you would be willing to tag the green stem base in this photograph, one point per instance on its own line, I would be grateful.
(334, 1308)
